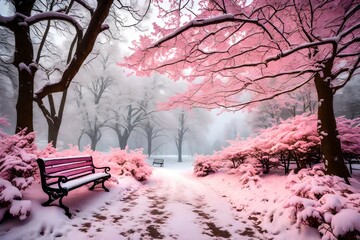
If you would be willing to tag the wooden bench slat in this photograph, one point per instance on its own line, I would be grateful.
(74, 172)
(51, 162)
(63, 167)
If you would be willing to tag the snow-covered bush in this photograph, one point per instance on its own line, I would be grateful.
(294, 139)
(204, 165)
(11, 201)
(324, 202)
(17, 167)
(130, 163)
(249, 175)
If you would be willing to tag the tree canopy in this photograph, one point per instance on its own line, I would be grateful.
(234, 54)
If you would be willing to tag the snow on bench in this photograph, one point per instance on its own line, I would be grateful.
(61, 175)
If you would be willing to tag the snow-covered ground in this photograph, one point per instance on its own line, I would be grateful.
(173, 204)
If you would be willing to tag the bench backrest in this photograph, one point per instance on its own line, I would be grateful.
(70, 167)
(158, 160)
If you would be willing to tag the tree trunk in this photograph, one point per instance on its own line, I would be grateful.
(123, 139)
(330, 143)
(179, 147)
(23, 57)
(79, 139)
(180, 154)
(94, 138)
(93, 144)
(24, 105)
(53, 131)
(149, 145)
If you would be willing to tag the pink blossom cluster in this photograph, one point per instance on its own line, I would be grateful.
(324, 202)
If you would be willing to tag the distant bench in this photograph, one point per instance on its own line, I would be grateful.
(159, 161)
(63, 174)
(353, 161)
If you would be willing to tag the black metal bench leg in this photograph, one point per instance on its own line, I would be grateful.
(67, 212)
(47, 203)
(93, 186)
(103, 185)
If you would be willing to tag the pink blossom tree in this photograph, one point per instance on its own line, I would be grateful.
(234, 55)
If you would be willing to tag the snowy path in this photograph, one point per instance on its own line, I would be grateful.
(171, 205)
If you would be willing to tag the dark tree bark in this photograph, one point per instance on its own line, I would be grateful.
(23, 61)
(330, 143)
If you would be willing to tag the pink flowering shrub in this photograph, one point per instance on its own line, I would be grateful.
(248, 170)
(130, 163)
(324, 202)
(204, 165)
(249, 175)
(17, 168)
(295, 139)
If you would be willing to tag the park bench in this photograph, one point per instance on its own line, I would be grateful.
(61, 175)
(351, 162)
(158, 161)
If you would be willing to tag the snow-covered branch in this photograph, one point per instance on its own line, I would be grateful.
(7, 21)
(56, 16)
(257, 100)
(203, 23)
(83, 49)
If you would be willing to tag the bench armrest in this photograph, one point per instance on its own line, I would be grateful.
(106, 169)
(61, 179)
